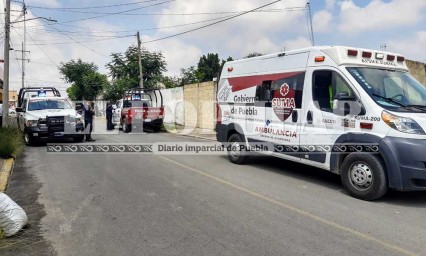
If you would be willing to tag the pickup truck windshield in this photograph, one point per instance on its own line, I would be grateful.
(42, 104)
(392, 90)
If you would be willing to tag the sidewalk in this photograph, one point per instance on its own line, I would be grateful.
(207, 134)
(199, 133)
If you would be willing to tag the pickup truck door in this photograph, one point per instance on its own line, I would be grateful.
(116, 113)
(21, 116)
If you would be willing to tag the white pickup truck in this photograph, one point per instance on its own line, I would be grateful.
(44, 115)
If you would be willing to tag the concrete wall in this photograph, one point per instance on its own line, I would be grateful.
(173, 106)
(200, 105)
(418, 70)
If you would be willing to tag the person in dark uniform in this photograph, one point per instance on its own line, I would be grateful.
(89, 113)
(110, 126)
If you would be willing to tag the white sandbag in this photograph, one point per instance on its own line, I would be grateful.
(12, 216)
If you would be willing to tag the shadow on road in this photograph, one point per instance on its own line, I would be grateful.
(329, 180)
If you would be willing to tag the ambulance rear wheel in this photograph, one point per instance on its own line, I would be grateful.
(237, 153)
(364, 176)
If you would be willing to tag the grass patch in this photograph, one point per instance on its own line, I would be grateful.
(11, 142)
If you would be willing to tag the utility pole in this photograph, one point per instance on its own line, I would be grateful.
(6, 65)
(24, 44)
(311, 31)
(23, 62)
(140, 61)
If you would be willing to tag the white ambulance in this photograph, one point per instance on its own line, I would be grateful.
(355, 112)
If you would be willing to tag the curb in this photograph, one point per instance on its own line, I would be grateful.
(193, 136)
(5, 172)
(198, 137)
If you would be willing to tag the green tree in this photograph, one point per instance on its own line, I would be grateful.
(188, 76)
(209, 67)
(115, 90)
(124, 68)
(86, 81)
(171, 81)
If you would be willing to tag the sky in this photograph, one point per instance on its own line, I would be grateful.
(92, 30)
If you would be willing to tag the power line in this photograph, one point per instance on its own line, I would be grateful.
(91, 7)
(185, 32)
(211, 24)
(114, 13)
(133, 30)
(180, 14)
(88, 41)
(41, 49)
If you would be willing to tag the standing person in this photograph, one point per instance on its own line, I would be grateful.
(88, 119)
(109, 116)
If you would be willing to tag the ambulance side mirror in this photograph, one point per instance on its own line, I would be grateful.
(345, 105)
(344, 96)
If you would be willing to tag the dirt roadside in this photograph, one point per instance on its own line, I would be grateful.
(23, 189)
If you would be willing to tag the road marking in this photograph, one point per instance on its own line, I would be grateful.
(351, 231)
(335, 225)
(66, 226)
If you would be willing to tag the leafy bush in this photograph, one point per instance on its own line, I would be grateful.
(11, 142)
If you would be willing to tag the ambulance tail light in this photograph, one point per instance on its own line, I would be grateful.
(230, 69)
(367, 54)
(402, 124)
(218, 114)
(352, 53)
(320, 59)
(390, 58)
(400, 59)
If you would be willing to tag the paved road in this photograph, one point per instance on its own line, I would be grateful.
(204, 205)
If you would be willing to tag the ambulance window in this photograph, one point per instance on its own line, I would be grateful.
(341, 86)
(263, 91)
(393, 87)
(327, 84)
(322, 86)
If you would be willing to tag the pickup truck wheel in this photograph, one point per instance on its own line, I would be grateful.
(364, 176)
(237, 153)
(126, 127)
(78, 138)
(157, 128)
(28, 140)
